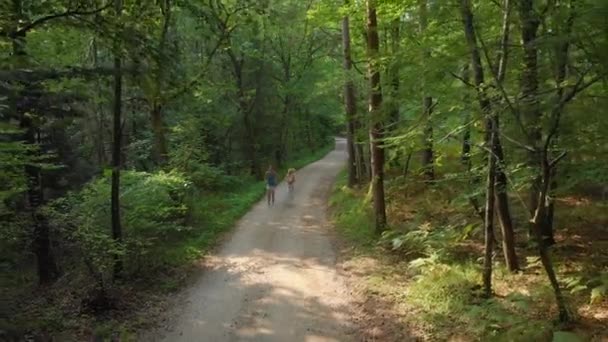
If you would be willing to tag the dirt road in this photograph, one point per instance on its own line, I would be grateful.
(275, 278)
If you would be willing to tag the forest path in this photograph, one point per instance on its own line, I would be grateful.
(275, 279)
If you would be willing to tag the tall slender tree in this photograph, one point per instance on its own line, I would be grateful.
(376, 127)
(45, 259)
(478, 76)
(490, 110)
(160, 149)
(502, 201)
(117, 140)
(427, 105)
(349, 101)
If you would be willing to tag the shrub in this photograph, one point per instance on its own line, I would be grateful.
(208, 177)
(153, 213)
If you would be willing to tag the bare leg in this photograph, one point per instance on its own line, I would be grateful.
(268, 191)
(272, 194)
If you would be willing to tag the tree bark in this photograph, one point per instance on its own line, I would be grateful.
(376, 127)
(100, 141)
(562, 49)
(117, 146)
(160, 151)
(538, 220)
(362, 170)
(502, 199)
(502, 206)
(489, 213)
(491, 136)
(394, 73)
(543, 204)
(529, 105)
(428, 159)
(281, 149)
(249, 136)
(349, 102)
(492, 125)
(465, 154)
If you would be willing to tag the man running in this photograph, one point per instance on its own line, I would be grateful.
(271, 183)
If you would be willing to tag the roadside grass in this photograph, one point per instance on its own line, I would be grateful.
(353, 218)
(429, 266)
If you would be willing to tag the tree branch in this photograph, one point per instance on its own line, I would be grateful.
(40, 21)
(517, 143)
(580, 86)
(557, 159)
(460, 78)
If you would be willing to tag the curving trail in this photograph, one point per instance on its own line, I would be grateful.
(275, 278)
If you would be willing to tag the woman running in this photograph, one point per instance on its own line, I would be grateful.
(271, 184)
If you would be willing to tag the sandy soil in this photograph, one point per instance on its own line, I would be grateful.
(275, 278)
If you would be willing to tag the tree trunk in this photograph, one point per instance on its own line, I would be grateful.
(160, 141)
(376, 127)
(502, 199)
(309, 139)
(394, 73)
(465, 155)
(159, 152)
(547, 231)
(502, 206)
(406, 166)
(349, 103)
(117, 147)
(41, 244)
(529, 105)
(362, 172)
(489, 213)
(427, 154)
(428, 159)
(491, 137)
(281, 149)
(249, 143)
(502, 203)
(249, 136)
(538, 220)
(99, 141)
(561, 68)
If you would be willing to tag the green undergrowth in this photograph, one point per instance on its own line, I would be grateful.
(352, 217)
(429, 268)
(170, 219)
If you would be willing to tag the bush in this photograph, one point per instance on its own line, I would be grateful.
(153, 212)
(208, 177)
